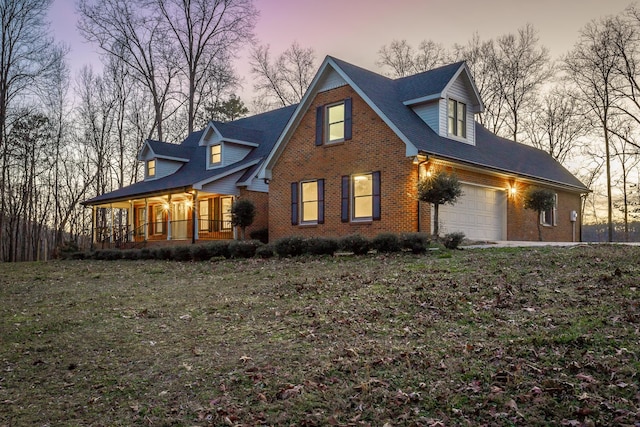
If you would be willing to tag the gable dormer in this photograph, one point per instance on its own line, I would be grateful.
(227, 144)
(450, 109)
(161, 159)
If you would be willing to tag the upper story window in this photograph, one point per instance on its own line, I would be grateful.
(549, 216)
(151, 168)
(333, 122)
(457, 118)
(215, 154)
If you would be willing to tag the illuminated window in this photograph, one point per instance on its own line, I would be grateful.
(158, 219)
(204, 215)
(335, 122)
(457, 123)
(309, 199)
(215, 154)
(225, 212)
(151, 168)
(362, 196)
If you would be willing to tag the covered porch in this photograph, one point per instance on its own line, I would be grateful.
(186, 216)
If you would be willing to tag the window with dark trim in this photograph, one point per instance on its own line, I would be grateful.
(307, 202)
(361, 197)
(457, 118)
(204, 214)
(549, 216)
(333, 122)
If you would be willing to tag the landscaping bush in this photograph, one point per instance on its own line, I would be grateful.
(261, 234)
(131, 254)
(355, 243)
(181, 253)
(107, 254)
(68, 250)
(453, 240)
(386, 242)
(162, 253)
(218, 248)
(322, 246)
(290, 246)
(264, 251)
(243, 248)
(146, 253)
(417, 243)
(200, 253)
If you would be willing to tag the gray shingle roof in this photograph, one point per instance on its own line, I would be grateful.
(490, 150)
(262, 129)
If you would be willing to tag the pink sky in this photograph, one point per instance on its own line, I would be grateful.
(354, 30)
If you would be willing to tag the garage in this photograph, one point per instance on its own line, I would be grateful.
(480, 213)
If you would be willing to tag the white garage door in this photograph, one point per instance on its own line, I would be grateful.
(480, 213)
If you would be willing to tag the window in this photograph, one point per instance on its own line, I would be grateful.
(141, 220)
(333, 122)
(225, 212)
(158, 219)
(549, 217)
(204, 215)
(311, 204)
(151, 168)
(361, 197)
(215, 154)
(457, 123)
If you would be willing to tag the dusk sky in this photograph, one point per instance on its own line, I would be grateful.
(354, 30)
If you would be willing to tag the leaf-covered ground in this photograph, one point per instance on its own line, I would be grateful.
(545, 336)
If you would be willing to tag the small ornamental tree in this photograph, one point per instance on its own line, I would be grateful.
(242, 214)
(539, 200)
(439, 189)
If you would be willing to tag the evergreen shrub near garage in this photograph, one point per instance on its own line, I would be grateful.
(355, 243)
(417, 243)
(322, 246)
(386, 242)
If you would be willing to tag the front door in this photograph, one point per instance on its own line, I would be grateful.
(179, 220)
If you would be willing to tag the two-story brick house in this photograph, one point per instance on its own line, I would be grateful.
(347, 160)
(350, 158)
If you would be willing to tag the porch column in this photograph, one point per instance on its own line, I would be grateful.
(194, 217)
(94, 230)
(146, 219)
(113, 230)
(169, 218)
(130, 223)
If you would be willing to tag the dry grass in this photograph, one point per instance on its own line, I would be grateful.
(497, 337)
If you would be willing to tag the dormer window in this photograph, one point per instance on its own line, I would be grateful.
(457, 123)
(151, 168)
(215, 154)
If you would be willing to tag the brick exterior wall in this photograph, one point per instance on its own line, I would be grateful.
(261, 202)
(375, 147)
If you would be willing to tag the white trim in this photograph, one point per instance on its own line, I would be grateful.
(198, 185)
(476, 93)
(423, 99)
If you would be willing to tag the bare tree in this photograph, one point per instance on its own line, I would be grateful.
(124, 30)
(555, 124)
(591, 67)
(207, 32)
(404, 61)
(285, 80)
(29, 54)
(521, 67)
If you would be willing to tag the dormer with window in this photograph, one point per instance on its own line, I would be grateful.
(161, 159)
(227, 144)
(450, 110)
(151, 169)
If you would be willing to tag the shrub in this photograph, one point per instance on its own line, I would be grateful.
(355, 243)
(264, 251)
(290, 246)
(386, 242)
(261, 234)
(322, 246)
(219, 248)
(417, 243)
(68, 250)
(244, 248)
(162, 253)
(107, 254)
(145, 253)
(131, 254)
(181, 253)
(453, 240)
(200, 253)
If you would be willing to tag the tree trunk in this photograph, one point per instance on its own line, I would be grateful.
(436, 222)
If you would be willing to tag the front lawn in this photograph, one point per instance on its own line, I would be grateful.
(541, 336)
